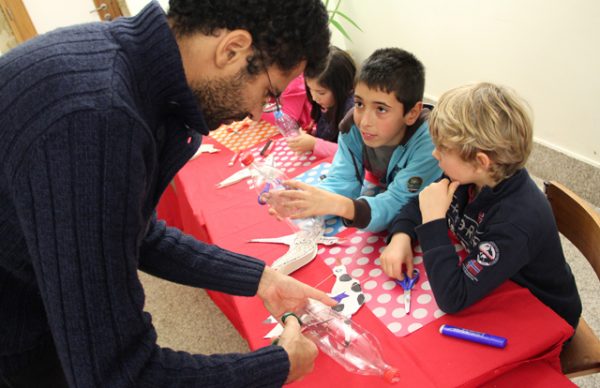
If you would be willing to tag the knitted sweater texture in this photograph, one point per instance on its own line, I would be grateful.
(95, 120)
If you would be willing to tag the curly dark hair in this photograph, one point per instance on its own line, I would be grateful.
(395, 70)
(284, 32)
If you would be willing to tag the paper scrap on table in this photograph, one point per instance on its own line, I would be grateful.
(205, 149)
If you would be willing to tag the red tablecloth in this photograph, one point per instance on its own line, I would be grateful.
(230, 216)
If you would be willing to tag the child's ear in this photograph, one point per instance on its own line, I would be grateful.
(413, 114)
(483, 161)
(235, 46)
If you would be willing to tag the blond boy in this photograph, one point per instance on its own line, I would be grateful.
(483, 136)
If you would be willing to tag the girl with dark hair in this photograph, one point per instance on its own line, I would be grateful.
(331, 93)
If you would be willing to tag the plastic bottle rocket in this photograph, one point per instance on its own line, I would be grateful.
(353, 347)
(288, 127)
(267, 181)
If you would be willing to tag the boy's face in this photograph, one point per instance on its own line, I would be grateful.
(380, 117)
(458, 169)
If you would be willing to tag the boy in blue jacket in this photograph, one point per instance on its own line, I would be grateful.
(483, 136)
(389, 138)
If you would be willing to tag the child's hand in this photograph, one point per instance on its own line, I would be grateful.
(435, 199)
(302, 143)
(397, 254)
(304, 200)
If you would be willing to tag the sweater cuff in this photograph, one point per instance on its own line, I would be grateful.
(270, 367)
(433, 234)
(362, 215)
(403, 226)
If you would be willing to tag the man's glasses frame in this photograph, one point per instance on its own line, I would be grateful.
(274, 102)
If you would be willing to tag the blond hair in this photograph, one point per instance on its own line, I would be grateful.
(484, 118)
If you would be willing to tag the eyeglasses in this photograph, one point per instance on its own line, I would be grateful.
(273, 103)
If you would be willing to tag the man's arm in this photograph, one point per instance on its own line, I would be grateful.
(78, 197)
(168, 253)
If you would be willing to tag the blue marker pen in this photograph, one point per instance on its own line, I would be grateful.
(473, 336)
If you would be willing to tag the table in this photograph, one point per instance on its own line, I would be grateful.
(229, 217)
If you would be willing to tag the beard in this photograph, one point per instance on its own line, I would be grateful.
(221, 99)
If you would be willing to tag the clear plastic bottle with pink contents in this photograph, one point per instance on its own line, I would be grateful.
(268, 181)
(352, 346)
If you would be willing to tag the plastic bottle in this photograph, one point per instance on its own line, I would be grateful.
(353, 347)
(288, 127)
(268, 179)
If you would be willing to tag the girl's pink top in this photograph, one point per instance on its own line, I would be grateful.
(324, 148)
(294, 102)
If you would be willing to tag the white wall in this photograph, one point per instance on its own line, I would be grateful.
(548, 50)
(136, 5)
(48, 15)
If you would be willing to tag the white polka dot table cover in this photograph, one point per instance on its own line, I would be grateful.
(283, 158)
(384, 297)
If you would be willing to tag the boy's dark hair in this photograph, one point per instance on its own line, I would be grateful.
(284, 32)
(393, 70)
(338, 76)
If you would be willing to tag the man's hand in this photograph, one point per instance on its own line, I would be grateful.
(435, 199)
(301, 143)
(301, 351)
(397, 253)
(281, 293)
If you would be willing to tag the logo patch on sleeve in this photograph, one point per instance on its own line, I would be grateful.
(472, 269)
(488, 254)
(414, 184)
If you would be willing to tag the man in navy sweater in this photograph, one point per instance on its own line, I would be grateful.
(95, 120)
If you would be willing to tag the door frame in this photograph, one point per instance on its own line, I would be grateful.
(18, 20)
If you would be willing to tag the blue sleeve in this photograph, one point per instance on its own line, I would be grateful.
(420, 164)
(342, 177)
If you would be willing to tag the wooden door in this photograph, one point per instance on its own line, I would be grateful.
(18, 19)
(108, 9)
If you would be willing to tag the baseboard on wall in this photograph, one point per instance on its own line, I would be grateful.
(581, 177)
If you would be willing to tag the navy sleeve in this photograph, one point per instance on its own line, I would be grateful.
(407, 220)
(500, 254)
(79, 198)
(172, 255)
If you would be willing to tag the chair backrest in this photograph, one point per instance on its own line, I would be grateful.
(579, 222)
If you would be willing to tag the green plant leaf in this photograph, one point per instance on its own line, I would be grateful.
(349, 20)
(340, 29)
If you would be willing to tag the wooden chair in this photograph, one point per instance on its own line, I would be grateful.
(580, 223)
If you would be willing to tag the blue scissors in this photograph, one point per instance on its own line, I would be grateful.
(407, 284)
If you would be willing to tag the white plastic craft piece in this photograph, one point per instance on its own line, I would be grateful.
(205, 149)
(242, 174)
(346, 290)
(235, 178)
(302, 251)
